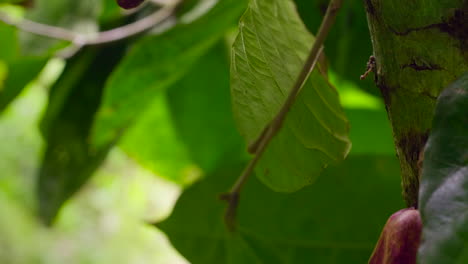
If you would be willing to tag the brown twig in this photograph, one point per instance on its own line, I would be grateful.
(272, 128)
(80, 40)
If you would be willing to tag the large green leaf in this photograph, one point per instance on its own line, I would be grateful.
(69, 160)
(267, 57)
(336, 220)
(189, 127)
(157, 62)
(443, 199)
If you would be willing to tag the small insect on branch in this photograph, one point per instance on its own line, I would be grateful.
(371, 64)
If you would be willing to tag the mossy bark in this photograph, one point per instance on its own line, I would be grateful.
(420, 47)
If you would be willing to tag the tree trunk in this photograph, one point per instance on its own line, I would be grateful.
(420, 46)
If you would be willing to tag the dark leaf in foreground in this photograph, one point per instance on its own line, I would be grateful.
(69, 159)
(443, 198)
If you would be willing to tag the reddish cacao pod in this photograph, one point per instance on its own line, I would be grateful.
(399, 241)
(128, 4)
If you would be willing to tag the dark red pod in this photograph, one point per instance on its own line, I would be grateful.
(399, 241)
(128, 4)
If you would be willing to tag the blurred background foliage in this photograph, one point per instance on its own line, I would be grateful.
(167, 93)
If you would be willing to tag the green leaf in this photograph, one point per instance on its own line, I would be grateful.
(20, 70)
(155, 63)
(202, 113)
(9, 39)
(69, 160)
(3, 73)
(11, 1)
(370, 131)
(336, 220)
(267, 57)
(153, 142)
(443, 198)
(79, 16)
(190, 126)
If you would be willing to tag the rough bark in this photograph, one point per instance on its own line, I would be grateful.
(420, 47)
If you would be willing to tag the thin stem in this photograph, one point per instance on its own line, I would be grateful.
(272, 128)
(80, 40)
(134, 28)
(39, 29)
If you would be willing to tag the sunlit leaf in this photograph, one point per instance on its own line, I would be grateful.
(189, 127)
(443, 198)
(267, 57)
(153, 142)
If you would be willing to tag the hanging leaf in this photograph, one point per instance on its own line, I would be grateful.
(267, 57)
(443, 198)
(336, 220)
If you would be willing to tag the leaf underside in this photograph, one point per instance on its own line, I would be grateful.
(267, 57)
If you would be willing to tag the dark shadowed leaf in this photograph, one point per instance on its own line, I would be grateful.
(267, 57)
(202, 113)
(336, 220)
(443, 198)
(190, 126)
(69, 160)
(156, 62)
